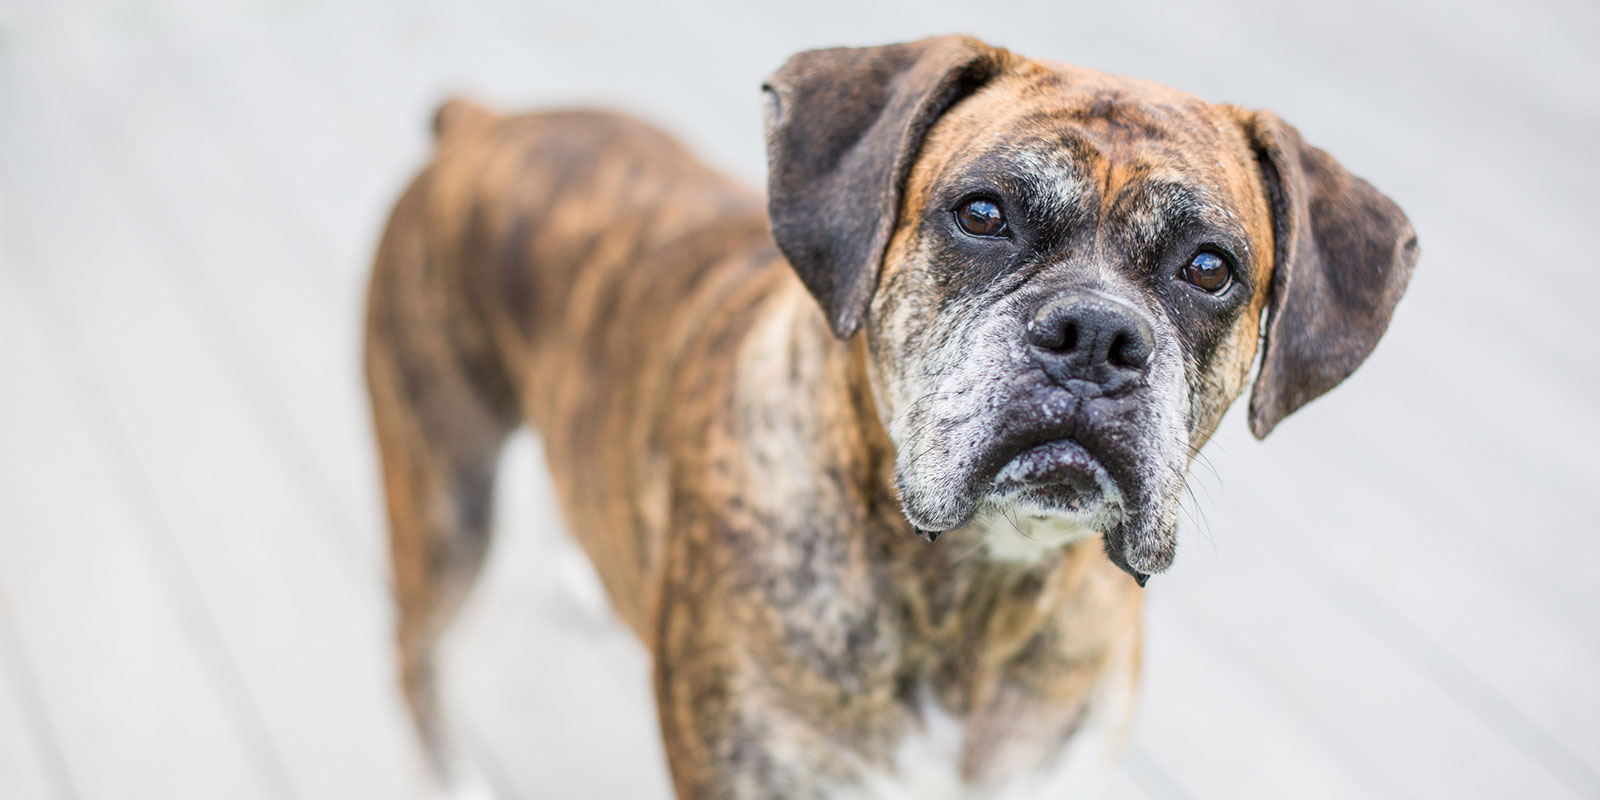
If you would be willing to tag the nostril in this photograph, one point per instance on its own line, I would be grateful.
(1118, 354)
(1129, 349)
(1054, 333)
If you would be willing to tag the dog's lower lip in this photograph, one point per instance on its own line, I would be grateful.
(1056, 461)
(1060, 474)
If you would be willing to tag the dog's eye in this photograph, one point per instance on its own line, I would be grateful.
(1208, 271)
(981, 216)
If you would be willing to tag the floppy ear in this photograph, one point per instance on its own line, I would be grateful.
(843, 127)
(1344, 255)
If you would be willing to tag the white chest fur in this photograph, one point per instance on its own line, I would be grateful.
(927, 760)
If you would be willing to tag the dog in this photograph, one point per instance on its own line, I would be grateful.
(875, 467)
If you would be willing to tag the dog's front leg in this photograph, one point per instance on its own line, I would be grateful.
(775, 663)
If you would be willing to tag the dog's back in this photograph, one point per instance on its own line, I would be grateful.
(556, 224)
(535, 260)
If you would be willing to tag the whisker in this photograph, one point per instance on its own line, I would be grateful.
(1011, 518)
(969, 551)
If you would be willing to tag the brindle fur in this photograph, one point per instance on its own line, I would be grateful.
(736, 470)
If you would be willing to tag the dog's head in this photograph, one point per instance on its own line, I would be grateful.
(1062, 275)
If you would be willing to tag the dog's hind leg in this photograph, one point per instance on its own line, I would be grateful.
(442, 409)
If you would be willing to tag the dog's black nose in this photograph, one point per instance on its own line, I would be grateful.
(1090, 338)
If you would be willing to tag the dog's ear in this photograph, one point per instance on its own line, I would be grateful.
(1344, 255)
(843, 128)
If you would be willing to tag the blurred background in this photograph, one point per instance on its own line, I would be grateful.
(1394, 596)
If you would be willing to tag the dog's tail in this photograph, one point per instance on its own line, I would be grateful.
(459, 114)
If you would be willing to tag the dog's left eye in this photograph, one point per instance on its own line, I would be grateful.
(1208, 271)
(981, 216)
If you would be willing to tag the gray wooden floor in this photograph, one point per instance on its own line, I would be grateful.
(1395, 596)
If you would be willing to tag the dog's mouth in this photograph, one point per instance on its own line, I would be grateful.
(1059, 476)
(1060, 482)
(1045, 471)
(1052, 460)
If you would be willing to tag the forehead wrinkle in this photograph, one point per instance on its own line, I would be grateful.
(1155, 205)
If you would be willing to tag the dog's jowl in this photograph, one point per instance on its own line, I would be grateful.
(874, 466)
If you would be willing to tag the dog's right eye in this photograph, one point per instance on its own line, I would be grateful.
(982, 217)
(1209, 271)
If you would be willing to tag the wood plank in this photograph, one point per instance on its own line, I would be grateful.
(310, 637)
(283, 135)
(313, 370)
(1208, 722)
(126, 672)
(372, 63)
(30, 752)
(297, 340)
(1323, 656)
(1143, 774)
(1436, 580)
(1421, 426)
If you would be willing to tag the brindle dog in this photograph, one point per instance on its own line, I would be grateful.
(989, 300)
